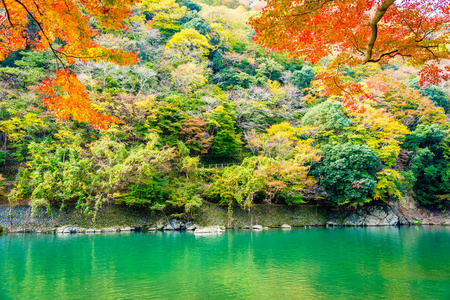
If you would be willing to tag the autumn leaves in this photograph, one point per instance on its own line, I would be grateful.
(354, 32)
(65, 28)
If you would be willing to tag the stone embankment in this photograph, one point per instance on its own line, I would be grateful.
(214, 219)
(386, 215)
(403, 212)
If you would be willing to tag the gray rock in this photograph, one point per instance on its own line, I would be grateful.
(79, 230)
(368, 216)
(176, 225)
(168, 228)
(90, 230)
(208, 230)
(257, 227)
(152, 229)
(70, 229)
(392, 220)
(126, 228)
(246, 227)
(192, 227)
(110, 229)
(286, 226)
(62, 229)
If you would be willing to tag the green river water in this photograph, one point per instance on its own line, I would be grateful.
(315, 263)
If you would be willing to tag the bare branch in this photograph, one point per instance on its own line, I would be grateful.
(7, 14)
(374, 26)
(43, 33)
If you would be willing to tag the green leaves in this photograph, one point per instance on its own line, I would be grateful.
(226, 141)
(327, 116)
(348, 173)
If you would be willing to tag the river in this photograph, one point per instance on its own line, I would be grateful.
(305, 263)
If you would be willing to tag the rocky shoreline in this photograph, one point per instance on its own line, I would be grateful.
(214, 218)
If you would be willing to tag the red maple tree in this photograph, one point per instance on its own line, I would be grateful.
(64, 29)
(359, 31)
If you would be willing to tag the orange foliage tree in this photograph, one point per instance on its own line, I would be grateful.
(405, 103)
(65, 30)
(359, 32)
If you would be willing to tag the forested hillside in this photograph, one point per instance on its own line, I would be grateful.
(208, 115)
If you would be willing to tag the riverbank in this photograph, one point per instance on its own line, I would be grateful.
(114, 218)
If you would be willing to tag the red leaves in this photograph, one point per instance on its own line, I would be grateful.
(417, 31)
(67, 98)
(67, 21)
(432, 74)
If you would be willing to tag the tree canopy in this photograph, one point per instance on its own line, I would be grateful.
(359, 31)
(208, 115)
(65, 28)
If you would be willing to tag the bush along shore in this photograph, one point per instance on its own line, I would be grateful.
(213, 218)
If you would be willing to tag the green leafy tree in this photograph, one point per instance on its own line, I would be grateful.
(199, 25)
(327, 116)
(303, 77)
(437, 95)
(348, 173)
(429, 164)
(221, 123)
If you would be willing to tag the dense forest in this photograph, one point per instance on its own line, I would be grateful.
(206, 114)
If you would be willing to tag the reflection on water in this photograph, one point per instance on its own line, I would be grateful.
(319, 263)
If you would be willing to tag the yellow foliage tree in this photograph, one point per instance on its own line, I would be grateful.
(189, 76)
(164, 14)
(189, 43)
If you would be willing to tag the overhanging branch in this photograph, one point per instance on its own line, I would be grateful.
(374, 27)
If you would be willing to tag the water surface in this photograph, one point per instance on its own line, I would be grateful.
(318, 263)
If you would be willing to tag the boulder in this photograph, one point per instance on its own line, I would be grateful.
(126, 228)
(79, 230)
(369, 216)
(168, 228)
(176, 225)
(246, 227)
(191, 227)
(90, 230)
(70, 229)
(62, 229)
(110, 229)
(257, 227)
(208, 230)
(286, 226)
